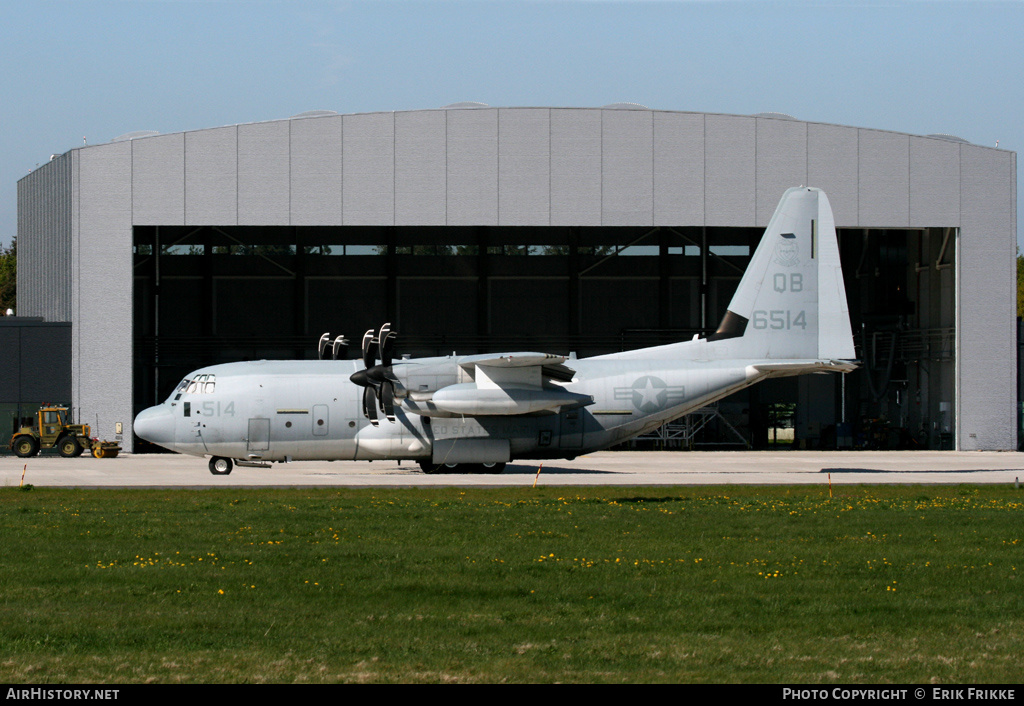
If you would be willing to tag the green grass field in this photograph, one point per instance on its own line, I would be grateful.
(726, 584)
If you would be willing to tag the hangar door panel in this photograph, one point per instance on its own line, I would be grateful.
(327, 298)
(612, 305)
(530, 307)
(245, 306)
(437, 306)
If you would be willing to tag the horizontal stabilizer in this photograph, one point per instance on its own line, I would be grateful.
(799, 367)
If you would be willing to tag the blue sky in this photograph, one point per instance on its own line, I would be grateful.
(100, 69)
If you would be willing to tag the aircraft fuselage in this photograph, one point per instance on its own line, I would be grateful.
(309, 410)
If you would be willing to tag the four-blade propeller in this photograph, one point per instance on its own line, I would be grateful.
(327, 347)
(377, 379)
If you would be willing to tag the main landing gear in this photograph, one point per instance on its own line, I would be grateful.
(432, 468)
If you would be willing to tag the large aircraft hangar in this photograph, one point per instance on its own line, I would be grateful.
(562, 230)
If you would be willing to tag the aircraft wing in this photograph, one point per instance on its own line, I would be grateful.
(511, 360)
(550, 366)
(505, 384)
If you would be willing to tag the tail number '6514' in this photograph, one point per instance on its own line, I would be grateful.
(779, 319)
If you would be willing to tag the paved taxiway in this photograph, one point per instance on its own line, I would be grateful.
(638, 468)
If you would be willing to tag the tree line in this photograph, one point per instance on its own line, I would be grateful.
(9, 277)
(1020, 284)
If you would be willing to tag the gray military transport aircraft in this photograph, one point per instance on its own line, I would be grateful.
(475, 413)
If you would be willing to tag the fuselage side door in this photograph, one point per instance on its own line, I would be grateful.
(571, 429)
(259, 435)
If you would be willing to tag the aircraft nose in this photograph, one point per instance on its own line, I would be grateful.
(156, 424)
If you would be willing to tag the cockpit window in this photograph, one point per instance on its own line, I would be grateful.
(179, 389)
(204, 384)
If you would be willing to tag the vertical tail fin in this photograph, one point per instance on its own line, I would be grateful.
(791, 301)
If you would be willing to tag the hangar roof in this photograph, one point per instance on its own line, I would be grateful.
(475, 105)
(473, 164)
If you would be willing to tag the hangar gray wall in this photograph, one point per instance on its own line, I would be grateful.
(526, 166)
(44, 235)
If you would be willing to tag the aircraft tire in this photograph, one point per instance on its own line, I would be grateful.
(25, 446)
(220, 466)
(430, 468)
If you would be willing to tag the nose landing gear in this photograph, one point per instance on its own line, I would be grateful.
(220, 466)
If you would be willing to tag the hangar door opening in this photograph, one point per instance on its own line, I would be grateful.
(213, 294)
(901, 290)
(902, 286)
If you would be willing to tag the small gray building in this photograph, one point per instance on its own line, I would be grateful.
(35, 369)
(474, 228)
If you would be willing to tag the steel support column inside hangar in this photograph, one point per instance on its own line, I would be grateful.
(217, 294)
